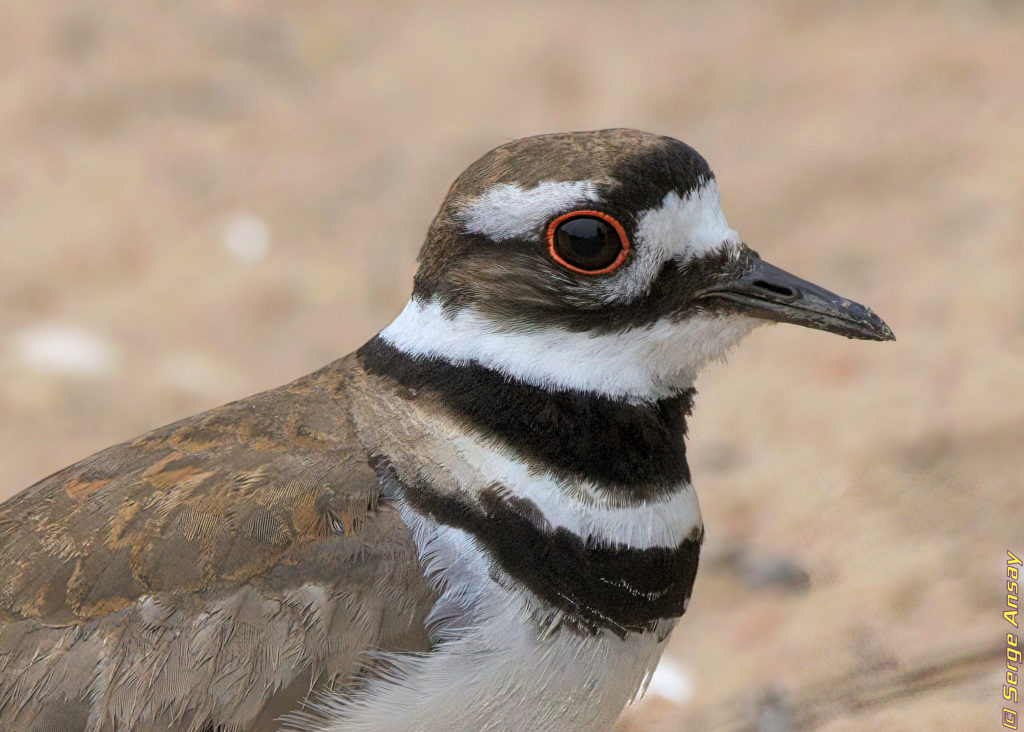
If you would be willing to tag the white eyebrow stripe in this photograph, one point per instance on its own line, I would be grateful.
(680, 227)
(509, 211)
(687, 225)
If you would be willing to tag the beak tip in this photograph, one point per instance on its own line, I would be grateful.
(882, 331)
(870, 327)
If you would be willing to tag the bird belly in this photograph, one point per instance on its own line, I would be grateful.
(502, 659)
(506, 673)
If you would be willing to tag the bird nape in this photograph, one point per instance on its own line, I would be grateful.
(483, 518)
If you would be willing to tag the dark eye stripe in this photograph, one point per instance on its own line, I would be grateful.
(589, 242)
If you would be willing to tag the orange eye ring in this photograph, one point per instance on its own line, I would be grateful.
(610, 220)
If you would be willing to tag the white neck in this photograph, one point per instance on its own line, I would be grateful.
(639, 365)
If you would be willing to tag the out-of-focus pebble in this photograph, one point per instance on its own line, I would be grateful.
(247, 238)
(670, 681)
(64, 349)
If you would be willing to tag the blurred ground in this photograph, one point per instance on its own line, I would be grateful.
(201, 201)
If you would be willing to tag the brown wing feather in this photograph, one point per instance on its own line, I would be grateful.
(210, 572)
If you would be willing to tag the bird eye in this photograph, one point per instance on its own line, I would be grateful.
(589, 242)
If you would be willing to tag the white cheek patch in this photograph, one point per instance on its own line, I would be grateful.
(509, 211)
(681, 227)
(639, 365)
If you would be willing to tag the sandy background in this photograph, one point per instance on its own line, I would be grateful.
(199, 201)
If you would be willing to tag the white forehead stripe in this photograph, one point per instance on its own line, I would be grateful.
(686, 226)
(680, 228)
(640, 364)
(509, 211)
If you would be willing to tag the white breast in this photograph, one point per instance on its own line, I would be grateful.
(503, 659)
(496, 669)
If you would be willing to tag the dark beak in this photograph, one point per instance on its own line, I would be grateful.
(765, 291)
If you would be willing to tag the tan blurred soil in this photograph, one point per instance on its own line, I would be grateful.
(875, 148)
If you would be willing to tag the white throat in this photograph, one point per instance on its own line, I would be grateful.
(639, 365)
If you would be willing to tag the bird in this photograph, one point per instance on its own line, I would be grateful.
(483, 518)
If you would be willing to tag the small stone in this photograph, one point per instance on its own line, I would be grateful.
(247, 238)
(671, 682)
(64, 349)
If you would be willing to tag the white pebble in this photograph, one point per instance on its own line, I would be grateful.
(671, 682)
(64, 349)
(247, 238)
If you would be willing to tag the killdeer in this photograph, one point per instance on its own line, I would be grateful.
(481, 519)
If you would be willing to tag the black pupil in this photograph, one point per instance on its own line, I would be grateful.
(587, 242)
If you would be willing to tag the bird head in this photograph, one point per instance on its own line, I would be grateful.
(601, 262)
